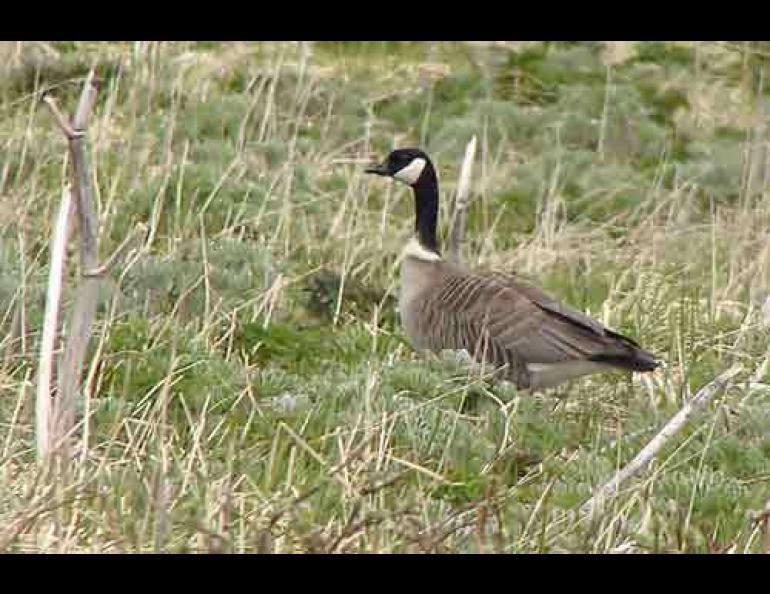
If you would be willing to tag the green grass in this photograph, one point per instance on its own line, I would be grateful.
(250, 387)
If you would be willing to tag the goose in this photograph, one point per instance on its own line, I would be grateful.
(513, 329)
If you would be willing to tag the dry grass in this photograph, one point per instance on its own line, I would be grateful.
(248, 388)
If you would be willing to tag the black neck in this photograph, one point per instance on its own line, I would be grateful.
(426, 207)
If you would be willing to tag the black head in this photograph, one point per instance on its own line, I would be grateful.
(407, 165)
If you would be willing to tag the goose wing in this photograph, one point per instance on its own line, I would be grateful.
(511, 324)
(544, 301)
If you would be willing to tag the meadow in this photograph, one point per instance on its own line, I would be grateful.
(248, 387)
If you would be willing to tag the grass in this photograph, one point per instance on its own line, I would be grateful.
(250, 389)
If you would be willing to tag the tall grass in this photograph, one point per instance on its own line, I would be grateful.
(248, 388)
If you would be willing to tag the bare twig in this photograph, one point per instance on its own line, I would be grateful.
(51, 323)
(766, 313)
(68, 130)
(461, 202)
(644, 457)
(86, 209)
(63, 418)
(120, 252)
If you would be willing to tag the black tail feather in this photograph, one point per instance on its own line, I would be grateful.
(636, 360)
(626, 354)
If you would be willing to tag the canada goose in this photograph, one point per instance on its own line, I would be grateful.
(513, 328)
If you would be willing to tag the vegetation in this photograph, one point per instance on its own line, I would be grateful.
(249, 388)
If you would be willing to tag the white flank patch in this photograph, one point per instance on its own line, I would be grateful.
(414, 249)
(545, 375)
(411, 173)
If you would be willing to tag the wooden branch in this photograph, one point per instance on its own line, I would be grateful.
(86, 210)
(69, 131)
(62, 417)
(705, 395)
(120, 252)
(461, 202)
(56, 426)
(766, 312)
(51, 324)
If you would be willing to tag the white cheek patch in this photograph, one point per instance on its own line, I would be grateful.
(411, 173)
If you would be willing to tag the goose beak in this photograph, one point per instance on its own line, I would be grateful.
(380, 169)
